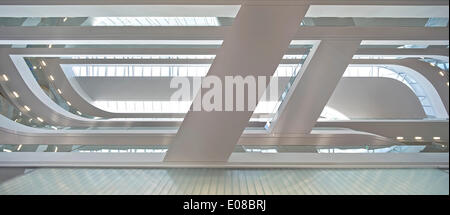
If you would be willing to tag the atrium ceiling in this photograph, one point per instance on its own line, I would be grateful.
(98, 72)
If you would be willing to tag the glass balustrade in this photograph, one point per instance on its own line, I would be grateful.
(11, 112)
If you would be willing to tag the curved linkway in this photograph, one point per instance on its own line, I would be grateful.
(15, 133)
(80, 121)
(73, 92)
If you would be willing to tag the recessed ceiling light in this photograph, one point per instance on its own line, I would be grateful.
(27, 108)
(50, 46)
(43, 63)
(40, 120)
(20, 147)
(78, 112)
(15, 94)
(5, 77)
(441, 73)
(56, 148)
(418, 138)
(65, 19)
(436, 138)
(51, 77)
(59, 91)
(7, 150)
(400, 138)
(68, 103)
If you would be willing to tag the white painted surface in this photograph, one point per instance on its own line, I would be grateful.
(313, 86)
(375, 98)
(255, 45)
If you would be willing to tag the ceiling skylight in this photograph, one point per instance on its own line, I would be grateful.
(167, 106)
(142, 70)
(155, 21)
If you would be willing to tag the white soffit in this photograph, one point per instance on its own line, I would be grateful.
(119, 10)
(406, 42)
(377, 11)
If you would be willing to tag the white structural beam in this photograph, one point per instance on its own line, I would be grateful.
(408, 129)
(254, 46)
(436, 53)
(15, 133)
(237, 160)
(405, 42)
(204, 35)
(378, 11)
(60, 52)
(314, 85)
(224, 8)
(220, 2)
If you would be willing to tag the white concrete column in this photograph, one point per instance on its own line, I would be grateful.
(316, 82)
(255, 45)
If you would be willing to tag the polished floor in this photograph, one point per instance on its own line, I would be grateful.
(229, 181)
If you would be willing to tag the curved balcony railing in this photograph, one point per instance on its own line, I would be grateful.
(11, 112)
(155, 149)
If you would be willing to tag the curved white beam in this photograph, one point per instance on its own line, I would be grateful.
(375, 98)
(309, 102)
(74, 93)
(31, 94)
(426, 73)
(22, 76)
(147, 115)
(61, 80)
